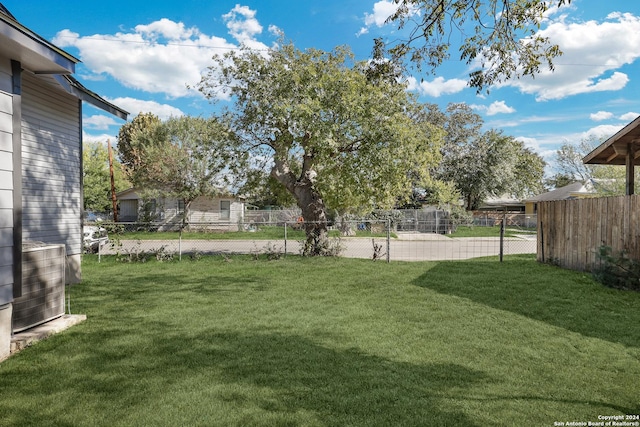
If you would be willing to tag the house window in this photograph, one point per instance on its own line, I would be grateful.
(180, 206)
(225, 209)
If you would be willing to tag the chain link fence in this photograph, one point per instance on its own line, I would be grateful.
(278, 234)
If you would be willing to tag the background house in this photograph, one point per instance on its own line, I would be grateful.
(575, 190)
(224, 212)
(40, 169)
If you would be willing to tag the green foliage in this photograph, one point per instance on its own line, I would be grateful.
(184, 157)
(458, 215)
(96, 178)
(500, 35)
(133, 136)
(483, 164)
(262, 190)
(608, 180)
(386, 217)
(270, 251)
(163, 255)
(558, 180)
(322, 246)
(147, 213)
(337, 136)
(135, 255)
(617, 270)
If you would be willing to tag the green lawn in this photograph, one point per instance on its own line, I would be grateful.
(331, 342)
(477, 231)
(262, 233)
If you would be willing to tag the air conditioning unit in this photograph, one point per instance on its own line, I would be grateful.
(43, 279)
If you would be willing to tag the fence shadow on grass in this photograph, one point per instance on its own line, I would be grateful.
(574, 301)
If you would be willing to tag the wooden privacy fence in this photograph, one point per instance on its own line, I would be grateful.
(570, 232)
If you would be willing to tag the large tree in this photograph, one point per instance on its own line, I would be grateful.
(96, 179)
(483, 164)
(608, 179)
(133, 137)
(337, 134)
(499, 37)
(184, 157)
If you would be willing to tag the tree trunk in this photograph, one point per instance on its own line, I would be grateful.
(315, 220)
(309, 200)
(185, 214)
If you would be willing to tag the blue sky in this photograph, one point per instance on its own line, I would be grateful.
(142, 55)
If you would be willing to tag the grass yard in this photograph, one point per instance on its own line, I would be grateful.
(262, 233)
(331, 342)
(480, 231)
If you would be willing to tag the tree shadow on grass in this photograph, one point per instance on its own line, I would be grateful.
(575, 302)
(343, 387)
(268, 378)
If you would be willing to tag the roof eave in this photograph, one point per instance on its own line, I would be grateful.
(57, 60)
(74, 87)
(608, 148)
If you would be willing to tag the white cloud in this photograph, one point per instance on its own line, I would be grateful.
(382, 10)
(163, 56)
(497, 107)
(243, 25)
(101, 138)
(600, 116)
(98, 122)
(275, 30)
(601, 132)
(593, 51)
(165, 28)
(630, 116)
(437, 87)
(137, 106)
(543, 147)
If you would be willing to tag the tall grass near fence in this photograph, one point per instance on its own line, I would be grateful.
(234, 341)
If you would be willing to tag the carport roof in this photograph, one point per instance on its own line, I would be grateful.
(614, 150)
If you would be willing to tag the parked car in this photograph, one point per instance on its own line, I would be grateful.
(94, 237)
(91, 216)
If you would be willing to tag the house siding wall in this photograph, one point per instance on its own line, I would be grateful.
(6, 198)
(5, 75)
(7, 277)
(204, 211)
(51, 167)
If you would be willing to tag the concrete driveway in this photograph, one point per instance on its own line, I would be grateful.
(407, 247)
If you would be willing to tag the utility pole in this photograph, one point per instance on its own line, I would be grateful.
(114, 200)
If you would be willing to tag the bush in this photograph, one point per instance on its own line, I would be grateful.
(617, 270)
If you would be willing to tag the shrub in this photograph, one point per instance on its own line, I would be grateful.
(377, 250)
(162, 254)
(617, 270)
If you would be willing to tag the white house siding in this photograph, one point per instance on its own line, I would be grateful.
(203, 212)
(6, 221)
(51, 168)
(6, 198)
(206, 210)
